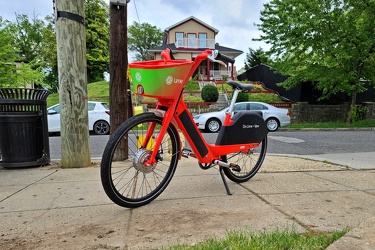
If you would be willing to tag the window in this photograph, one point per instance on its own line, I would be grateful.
(192, 40)
(240, 106)
(57, 109)
(202, 40)
(257, 106)
(180, 39)
(91, 106)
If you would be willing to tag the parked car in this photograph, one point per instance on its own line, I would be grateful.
(98, 113)
(274, 117)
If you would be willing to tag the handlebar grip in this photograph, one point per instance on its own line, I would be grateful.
(225, 58)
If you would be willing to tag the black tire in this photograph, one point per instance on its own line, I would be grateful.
(213, 125)
(101, 127)
(127, 182)
(272, 124)
(249, 163)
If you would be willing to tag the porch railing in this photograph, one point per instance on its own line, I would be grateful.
(195, 43)
(220, 75)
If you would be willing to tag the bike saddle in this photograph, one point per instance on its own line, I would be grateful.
(244, 87)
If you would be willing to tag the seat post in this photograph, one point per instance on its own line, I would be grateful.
(233, 101)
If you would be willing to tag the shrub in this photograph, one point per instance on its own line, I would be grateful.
(210, 93)
(243, 97)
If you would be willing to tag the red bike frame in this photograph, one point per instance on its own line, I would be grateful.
(178, 113)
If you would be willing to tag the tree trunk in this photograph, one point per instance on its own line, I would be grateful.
(351, 104)
(120, 100)
(71, 56)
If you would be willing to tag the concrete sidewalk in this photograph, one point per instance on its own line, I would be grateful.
(53, 208)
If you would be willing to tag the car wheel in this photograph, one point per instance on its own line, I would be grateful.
(272, 124)
(101, 128)
(213, 125)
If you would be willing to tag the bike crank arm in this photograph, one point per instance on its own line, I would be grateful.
(232, 166)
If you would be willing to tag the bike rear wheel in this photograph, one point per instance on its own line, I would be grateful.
(249, 163)
(125, 179)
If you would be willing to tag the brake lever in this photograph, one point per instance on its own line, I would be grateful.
(213, 56)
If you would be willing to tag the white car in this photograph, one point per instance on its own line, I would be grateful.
(274, 117)
(98, 113)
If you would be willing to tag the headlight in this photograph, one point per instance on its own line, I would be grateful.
(196, 117)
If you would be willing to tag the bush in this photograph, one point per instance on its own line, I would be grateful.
(210, 93)
(243, 97)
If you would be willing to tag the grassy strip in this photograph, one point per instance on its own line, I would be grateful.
(368, 123)
(278, 239)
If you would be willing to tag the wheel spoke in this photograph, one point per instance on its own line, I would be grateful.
(128, 182)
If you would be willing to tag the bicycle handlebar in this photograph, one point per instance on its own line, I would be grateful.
(213, 55)
(224, 57)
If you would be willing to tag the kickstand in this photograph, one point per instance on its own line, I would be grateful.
(224, 181)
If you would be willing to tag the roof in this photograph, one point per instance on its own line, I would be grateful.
(195, 19)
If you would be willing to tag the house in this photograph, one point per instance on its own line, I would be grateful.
(189, 38)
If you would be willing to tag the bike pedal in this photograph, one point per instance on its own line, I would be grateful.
(235, 167)
(185, 152)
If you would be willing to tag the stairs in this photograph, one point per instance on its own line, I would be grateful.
(222, 102)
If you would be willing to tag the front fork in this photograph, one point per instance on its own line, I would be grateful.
(167, 120)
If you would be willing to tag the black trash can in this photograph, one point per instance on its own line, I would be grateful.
(24, 140)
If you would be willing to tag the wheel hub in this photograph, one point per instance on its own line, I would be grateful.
(140, 159)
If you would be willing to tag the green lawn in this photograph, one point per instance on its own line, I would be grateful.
(97, 91)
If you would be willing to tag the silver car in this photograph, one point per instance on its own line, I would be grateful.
(274, 117)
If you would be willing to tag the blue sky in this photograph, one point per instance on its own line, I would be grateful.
(234, 18)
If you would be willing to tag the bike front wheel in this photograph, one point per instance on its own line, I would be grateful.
(125, 179)
(249, 162)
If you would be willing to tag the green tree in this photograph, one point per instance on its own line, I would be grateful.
(329, 42)
(26, 75)
(97, 39)
(7, 56)
(142, 37)
(28, 42)
(254, 58)
(28, 36)
(49, 54)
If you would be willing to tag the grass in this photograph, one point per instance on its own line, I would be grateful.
(97, 91)
(368, 123)
(277, 239)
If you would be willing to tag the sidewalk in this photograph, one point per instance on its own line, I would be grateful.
(53, 208)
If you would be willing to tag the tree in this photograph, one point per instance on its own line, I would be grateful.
(7, 56)
(254, 58)
(26, 75)
(10, 75)
(329, 42)
(49, 54)
(97, 39)
(142, 37)
(28, 37)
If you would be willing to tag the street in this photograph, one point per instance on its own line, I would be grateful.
(282, 142)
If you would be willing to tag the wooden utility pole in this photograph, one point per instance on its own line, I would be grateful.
(71, 56)
(120, 99)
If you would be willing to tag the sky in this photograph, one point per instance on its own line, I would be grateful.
(234, 19)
